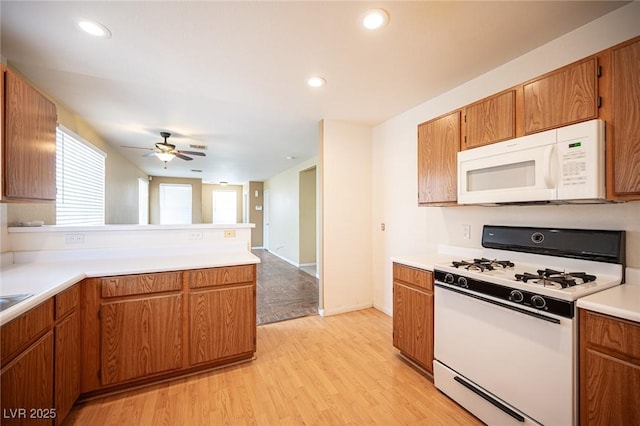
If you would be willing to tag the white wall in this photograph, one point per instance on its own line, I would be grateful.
(284, 215)
(414, 230)
(346, 191)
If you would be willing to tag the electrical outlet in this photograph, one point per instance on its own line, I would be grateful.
(74, 238)
(195, 235)
(466, 232)
(230, 233)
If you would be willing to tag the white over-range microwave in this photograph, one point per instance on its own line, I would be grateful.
(559, 165)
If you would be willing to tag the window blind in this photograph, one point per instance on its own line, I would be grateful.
(80, 180)
(175, 203)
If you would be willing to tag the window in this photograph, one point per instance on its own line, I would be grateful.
(175, 203)
(224, 207)
(80, 170)
(143, 201)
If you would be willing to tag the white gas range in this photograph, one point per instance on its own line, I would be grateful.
(505, 327)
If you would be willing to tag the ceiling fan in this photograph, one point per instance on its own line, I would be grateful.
(166, 151)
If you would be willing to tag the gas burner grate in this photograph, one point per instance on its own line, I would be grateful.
(483, 264)
(553, 278)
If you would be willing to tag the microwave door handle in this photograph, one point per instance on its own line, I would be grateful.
(548, 179)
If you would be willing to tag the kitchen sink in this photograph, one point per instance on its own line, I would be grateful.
(8, 301)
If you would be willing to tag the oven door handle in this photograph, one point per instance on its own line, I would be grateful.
(502, 305)
(490, 400)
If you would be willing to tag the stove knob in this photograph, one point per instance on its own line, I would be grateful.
(462, 282)
(538, 302)
(448, 278)
(516, 296)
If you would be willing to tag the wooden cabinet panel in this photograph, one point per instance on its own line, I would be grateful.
(562, 97)
(623, 127)
(141, 284)
(67, 365)
(67, 301)
(438, 145)
(222, 276)
(17, 334)
(140, 338)
(29, 142)
(610, 394)
(222, 323)
(413, 324)
(27, 383)
(609, 370)
(490, 120)
(418, 277)
(613, 336)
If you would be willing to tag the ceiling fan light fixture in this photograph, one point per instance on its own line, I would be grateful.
(165, 156)
(94, 28)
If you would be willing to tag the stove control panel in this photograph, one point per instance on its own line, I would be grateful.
(548, 304)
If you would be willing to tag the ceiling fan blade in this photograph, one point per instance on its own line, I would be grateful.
(201, 154)
(183, 157)
(150, 154)
(136, 147)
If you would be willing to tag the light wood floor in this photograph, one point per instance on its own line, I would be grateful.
(317, 371)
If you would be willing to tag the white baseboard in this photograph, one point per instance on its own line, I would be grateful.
(308, 264)
(297, 265)
(336, 311)
(384, 309)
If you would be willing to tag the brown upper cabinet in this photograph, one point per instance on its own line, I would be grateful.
(28, 142)
(565, 96)
(490, 120)
(620, 91)
(438, 145)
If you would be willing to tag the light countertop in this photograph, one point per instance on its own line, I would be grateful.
(46, 279)
(622, 301)
(424, 261)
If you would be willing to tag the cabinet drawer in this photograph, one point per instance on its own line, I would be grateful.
(615, 335)
(222, 276)
(67, 301)
(417, 277)
(141, 284)
(18, 333)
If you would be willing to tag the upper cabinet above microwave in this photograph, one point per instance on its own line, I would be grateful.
(28, 141)
(562, 97)
(605, 86)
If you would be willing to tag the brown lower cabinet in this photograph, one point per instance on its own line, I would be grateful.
(413, 314)
(137, 329)
(40, 362)
(609, 370)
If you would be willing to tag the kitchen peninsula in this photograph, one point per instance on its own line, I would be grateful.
(129, 308)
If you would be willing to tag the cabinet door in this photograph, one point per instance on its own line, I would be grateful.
(490, 120)
(413, 324)
(438, 145)
(27, 384)
(140, 337)
(562, 97)
(67, 365)
(222, 323)
(624, 126)
(610, 391)
(30, 142)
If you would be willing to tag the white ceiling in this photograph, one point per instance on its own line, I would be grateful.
(231, 75)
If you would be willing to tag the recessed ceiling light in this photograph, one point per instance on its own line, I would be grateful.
(316, 82)
(94, 28)
(290, 157)
(375, 18)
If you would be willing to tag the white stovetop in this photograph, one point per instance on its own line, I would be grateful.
(46, 279)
